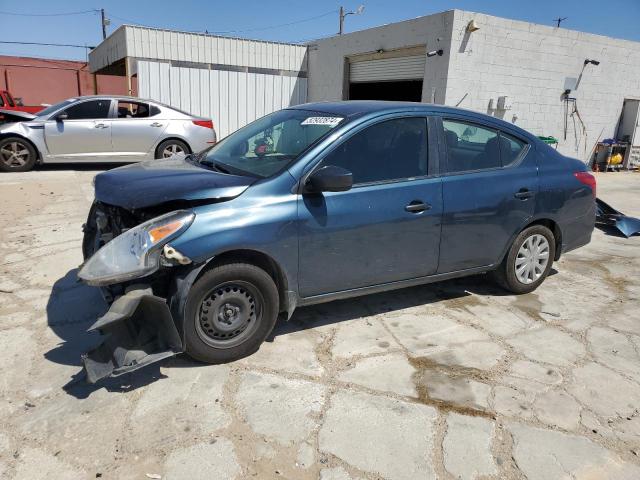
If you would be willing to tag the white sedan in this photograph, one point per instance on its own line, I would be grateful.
(102, 129)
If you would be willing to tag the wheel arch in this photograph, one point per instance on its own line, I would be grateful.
(22, 137)
(544, 221)
(260, 260)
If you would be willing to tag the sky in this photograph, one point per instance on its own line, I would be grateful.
(294, 21)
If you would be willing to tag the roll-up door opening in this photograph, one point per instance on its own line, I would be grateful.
(397, 78)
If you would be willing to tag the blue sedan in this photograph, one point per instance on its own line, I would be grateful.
(314, 203)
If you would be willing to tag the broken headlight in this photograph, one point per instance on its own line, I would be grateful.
(136, 252)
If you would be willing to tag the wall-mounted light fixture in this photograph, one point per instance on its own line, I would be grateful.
(433, 53)
(592, 62)
(472, 26)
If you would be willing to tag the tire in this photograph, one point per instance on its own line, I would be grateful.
(220, 323)
(531, 273)
(171, 147)
(17, 155)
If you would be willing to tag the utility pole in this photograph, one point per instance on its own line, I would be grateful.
(343, 14)
(105, 22)
(559, 20)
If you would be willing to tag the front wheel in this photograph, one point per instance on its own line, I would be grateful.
(16, 155)
(528, 261)
(230, 310)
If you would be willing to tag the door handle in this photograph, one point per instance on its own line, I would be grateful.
(101, 125)
(417, 206)
(523, 194)
(156, 124)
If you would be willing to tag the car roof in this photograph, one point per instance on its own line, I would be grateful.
(357, 108)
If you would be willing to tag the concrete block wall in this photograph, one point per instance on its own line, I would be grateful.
(326, 57)
(528, 63)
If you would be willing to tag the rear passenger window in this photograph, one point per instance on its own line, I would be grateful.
(470, 147)
(132, 109)
(510, 149)
(391, 150)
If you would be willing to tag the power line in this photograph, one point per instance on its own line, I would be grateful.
(15, 14)
(46, 44)
(332, 12)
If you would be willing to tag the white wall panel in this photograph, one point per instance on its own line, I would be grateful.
(149, 43)
(231, 99)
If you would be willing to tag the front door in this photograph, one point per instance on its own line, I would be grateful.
(387, 227)
(85, 133)
(135, 131)
(488, 191)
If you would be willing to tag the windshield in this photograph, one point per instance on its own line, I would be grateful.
(53, 108)
(269, 144)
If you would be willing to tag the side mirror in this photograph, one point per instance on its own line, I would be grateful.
(61, 117)
(330, 179)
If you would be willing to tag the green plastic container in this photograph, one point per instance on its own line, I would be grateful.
(549, 140)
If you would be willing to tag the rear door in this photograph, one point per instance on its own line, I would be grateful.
(136, 129)
(387, 227)
(84, 135)
(489, 187)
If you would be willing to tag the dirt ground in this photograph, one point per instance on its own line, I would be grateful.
(452, 380)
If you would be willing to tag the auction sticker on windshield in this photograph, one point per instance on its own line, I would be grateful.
(330, 121)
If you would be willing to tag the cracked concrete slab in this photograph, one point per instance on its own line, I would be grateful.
(387, 373)
(467, 447)
(279, 408)
(358, 426)
(548, 345)
(549, 455)
(204, 461)
(446, 341)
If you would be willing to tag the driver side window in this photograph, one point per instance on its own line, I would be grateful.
(90, 110)
(390, 150)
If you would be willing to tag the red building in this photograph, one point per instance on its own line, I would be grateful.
(42, 80)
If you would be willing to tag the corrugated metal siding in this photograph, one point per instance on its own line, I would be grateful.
(231, 99)
(398, 68)
(111, 50)
(154, 44)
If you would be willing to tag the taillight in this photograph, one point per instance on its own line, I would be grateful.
(204, 123)
(587, 179)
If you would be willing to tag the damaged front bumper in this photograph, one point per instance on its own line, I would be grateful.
(139, 330)
(609, 216)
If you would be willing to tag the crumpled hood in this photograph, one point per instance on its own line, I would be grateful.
(153, 182)
(15, 115)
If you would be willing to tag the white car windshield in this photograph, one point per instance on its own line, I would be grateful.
(49, 110)
(269, 144)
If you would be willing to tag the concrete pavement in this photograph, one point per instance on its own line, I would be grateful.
(452, 380)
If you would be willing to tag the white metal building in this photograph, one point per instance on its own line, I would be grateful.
(510, 69)
(231, 80)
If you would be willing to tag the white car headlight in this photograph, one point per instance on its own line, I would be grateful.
(136, 252)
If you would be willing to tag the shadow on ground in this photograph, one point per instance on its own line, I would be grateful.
(73, 307)
(81, 167)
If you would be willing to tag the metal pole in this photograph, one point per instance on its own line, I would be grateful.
(341, 21)
(104, 24)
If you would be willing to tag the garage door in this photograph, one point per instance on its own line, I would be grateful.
(387, 69)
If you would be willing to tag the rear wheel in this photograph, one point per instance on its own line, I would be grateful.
(171, 148)
(229, 312)
(528, 261)
(16, 155)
